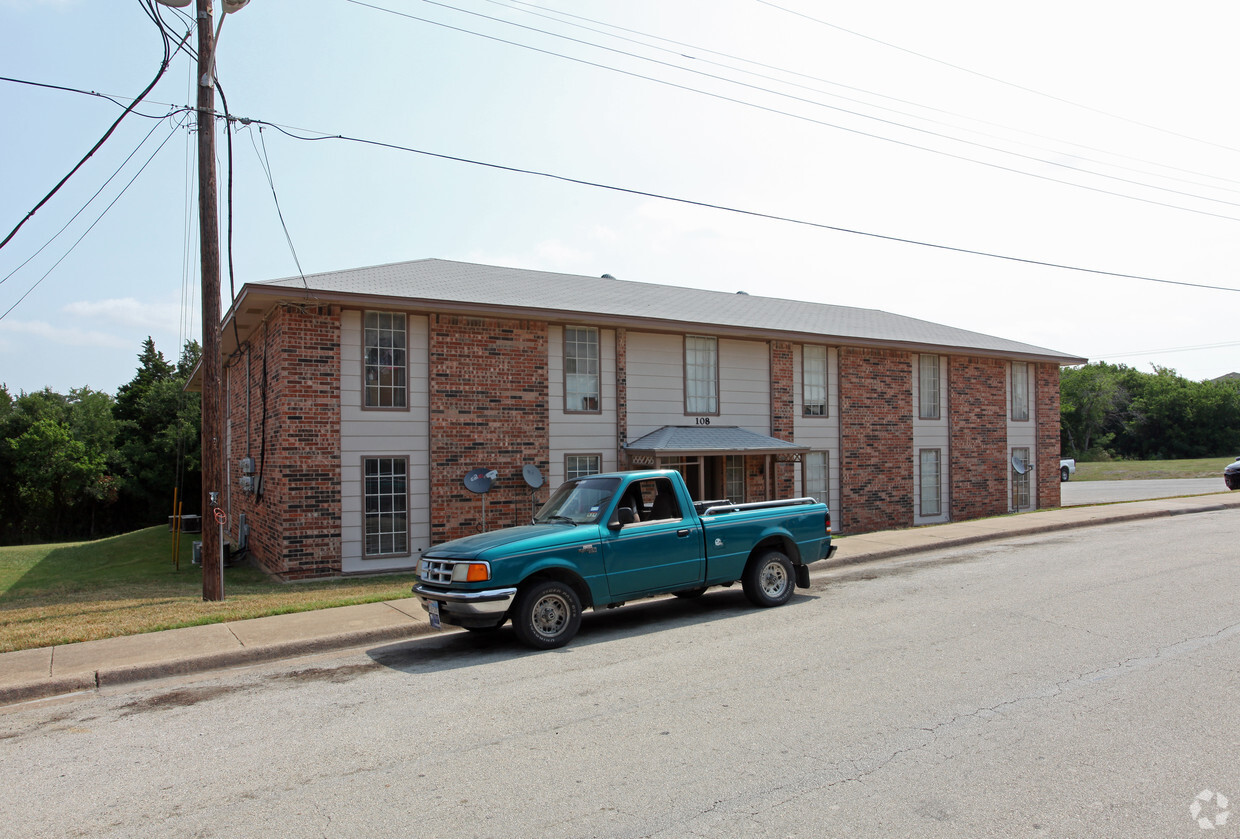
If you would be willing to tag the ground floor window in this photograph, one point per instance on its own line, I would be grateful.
(814, 467)
(1020, 480)
(734, 479)
(581, 465)
(386, 506)
(931, 482)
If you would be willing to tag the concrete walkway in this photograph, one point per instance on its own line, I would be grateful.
(70, 668)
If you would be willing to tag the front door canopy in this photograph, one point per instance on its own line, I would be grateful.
(692, 441)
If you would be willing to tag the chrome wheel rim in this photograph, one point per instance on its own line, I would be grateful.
(774, 579)
(550, 615)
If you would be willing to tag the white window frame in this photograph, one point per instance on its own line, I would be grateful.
(814, 381)
(581, 370)
(734, 478)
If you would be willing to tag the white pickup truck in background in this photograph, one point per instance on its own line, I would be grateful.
(1067, 468)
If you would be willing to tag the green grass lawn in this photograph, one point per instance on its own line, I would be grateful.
(125, 585)
(1136, 470)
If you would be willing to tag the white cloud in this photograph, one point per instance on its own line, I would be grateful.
(60, 335)
(128, 312)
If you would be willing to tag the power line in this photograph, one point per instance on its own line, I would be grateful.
(857, 131)
(871, 93)
(92, 224)
(738, 211)
(996, 79)
(147, 5)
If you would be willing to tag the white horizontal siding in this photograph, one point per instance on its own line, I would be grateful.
(819, 433)
(931, 434)
(578, 433)
(384, 433)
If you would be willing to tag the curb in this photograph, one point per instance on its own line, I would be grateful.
(1016, 532)
(116, 676)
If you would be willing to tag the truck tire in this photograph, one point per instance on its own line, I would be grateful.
(1064, 474)
(769, 579)
(546, 615)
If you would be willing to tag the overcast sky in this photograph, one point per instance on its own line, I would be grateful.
(1100, 135)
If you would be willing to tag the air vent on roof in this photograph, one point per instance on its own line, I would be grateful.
(608, 277)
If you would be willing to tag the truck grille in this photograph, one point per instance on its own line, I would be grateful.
(437, 571)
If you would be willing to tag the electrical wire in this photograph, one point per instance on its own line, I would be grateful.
(266, 164)
(998, 80)
(738, 211)
(516, 5)
(92, 225)
(147, 5)
(84, 207)
(804, 118)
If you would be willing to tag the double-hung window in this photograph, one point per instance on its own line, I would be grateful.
(701, 375)
(928, 387)
(581, 384)
(1020, 391)
(814, 381)
(815, 466)
(385, 360)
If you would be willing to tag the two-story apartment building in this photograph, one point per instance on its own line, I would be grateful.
(358, 401)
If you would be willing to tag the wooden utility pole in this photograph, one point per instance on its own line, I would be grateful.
(209, 233)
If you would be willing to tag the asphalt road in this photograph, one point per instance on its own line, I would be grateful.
(1076, 493)
(1080, 684)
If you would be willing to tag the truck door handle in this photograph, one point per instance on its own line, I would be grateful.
(682, 533)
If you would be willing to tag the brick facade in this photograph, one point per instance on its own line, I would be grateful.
(783, 413)
(488, 408)
(977, 425)
(876, 439)
(1046, 413)
(284, 411)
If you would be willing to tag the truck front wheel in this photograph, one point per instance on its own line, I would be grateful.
(768, 579)
(546, 615)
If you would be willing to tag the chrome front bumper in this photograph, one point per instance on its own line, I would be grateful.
(469, 604)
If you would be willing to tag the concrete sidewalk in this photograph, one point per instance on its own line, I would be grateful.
(70, 668)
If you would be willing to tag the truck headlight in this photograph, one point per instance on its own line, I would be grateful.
(471, 572)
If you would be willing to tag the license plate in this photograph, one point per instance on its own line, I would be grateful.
(433, 608)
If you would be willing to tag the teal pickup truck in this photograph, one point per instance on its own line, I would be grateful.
(606, 539)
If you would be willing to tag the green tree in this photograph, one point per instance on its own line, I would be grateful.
(158, 436)
(54, 474)
(1088, 399)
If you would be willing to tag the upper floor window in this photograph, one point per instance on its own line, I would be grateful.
(581, 385)
(814, 381)
(1020, 391)
(928, 387)
(701, 375)
(384, 360)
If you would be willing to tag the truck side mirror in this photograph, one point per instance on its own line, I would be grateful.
(624, 515)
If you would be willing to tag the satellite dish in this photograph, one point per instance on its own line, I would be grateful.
(1019, 465)
(479, 480)
(533, 477)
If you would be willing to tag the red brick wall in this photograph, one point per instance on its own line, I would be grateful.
(1046, 391)
(293, 372)
(876, 439)
(783, 414)
(977, 427)
(622, 395)
(488, 407)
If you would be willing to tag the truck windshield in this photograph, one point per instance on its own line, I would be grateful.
(579, 502)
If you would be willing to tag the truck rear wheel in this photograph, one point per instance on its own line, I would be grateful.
(768, 579)
(546, 615)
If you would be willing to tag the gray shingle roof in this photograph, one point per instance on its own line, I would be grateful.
(520, 292)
